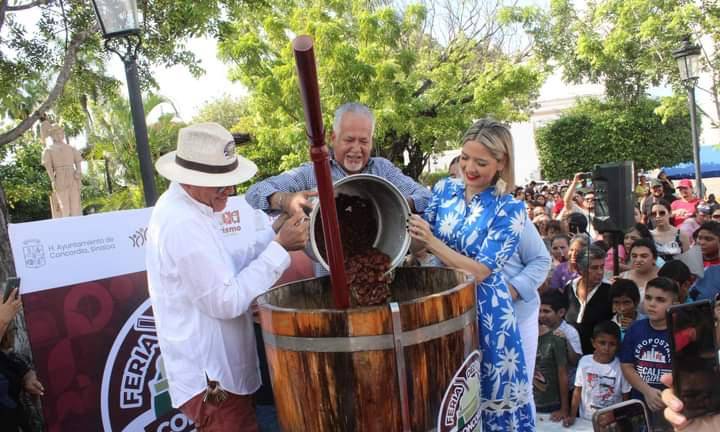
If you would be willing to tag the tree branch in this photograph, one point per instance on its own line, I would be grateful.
(30, 5)
(57, 90)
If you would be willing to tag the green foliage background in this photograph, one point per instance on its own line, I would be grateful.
(597, 132)
(113, 137)
(626, 45)
(26, 184)
(424, 94)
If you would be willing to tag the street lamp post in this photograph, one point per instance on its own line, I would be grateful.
(687, 58)
(119, 21)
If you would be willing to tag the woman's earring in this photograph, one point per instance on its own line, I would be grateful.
(500, 184)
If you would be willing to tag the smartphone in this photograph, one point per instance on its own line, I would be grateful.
(627, 416)
(695, 368)
(9, 286)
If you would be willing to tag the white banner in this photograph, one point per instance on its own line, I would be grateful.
(84, 291)
(60, 252)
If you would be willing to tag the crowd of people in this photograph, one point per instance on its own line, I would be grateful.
(559, 332)
(603, 335)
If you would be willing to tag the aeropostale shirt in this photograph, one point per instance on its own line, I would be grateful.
(201, 285)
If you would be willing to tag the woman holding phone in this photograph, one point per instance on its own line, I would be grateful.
(473, 224)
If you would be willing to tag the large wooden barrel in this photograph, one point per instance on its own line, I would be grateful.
(350, 370)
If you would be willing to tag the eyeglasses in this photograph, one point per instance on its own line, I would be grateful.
(659, 213)
(222, 189)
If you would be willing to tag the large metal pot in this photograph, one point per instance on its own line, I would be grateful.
(391, 210)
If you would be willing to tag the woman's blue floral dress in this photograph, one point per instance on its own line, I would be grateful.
(488, 230)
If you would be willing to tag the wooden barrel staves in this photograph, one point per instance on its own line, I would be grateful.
(337, 370)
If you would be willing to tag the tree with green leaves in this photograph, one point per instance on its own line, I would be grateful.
(625, 44)
(26, 184)
(595, 132)
(113, 153)
(60, 64)
(52, 61)
(226, 110)
(425, 81)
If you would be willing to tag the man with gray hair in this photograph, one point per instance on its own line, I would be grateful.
(352, 144)
(588, 295)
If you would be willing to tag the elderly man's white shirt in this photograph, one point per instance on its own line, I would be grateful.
(201, 285)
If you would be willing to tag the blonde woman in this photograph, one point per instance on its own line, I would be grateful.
(472, 223)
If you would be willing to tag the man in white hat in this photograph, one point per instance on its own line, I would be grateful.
(201, 290)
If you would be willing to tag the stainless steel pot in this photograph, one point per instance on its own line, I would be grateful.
(391, 210)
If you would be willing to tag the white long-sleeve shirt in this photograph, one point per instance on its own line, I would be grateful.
(201, 285)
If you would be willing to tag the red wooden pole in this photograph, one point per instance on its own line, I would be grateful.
(310, 95)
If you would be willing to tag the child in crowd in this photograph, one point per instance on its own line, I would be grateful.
(625, 298)
(599, 381)
(680, 273)
(552, 315)
(559, 248)
(550, 381)
(645, 355)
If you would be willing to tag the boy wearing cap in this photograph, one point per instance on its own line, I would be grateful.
(686, 206)
(200, 289)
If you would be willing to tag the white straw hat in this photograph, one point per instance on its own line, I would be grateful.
(205, 156)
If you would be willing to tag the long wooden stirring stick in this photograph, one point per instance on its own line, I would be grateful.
(310, 95)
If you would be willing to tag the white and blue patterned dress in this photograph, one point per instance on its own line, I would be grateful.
(488, 230)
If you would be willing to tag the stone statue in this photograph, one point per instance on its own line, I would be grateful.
(62, 162)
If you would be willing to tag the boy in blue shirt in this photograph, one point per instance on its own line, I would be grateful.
(645, 355)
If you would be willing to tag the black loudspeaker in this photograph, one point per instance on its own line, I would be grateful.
(614, 197)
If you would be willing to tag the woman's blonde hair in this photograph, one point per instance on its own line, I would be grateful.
(496, 137)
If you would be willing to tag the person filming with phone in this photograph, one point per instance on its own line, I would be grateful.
(586, 207)
(693, 396)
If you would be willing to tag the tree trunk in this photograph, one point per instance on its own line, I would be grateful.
(418, 159)
(7, 266)
(22, 342)
(393, 148)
